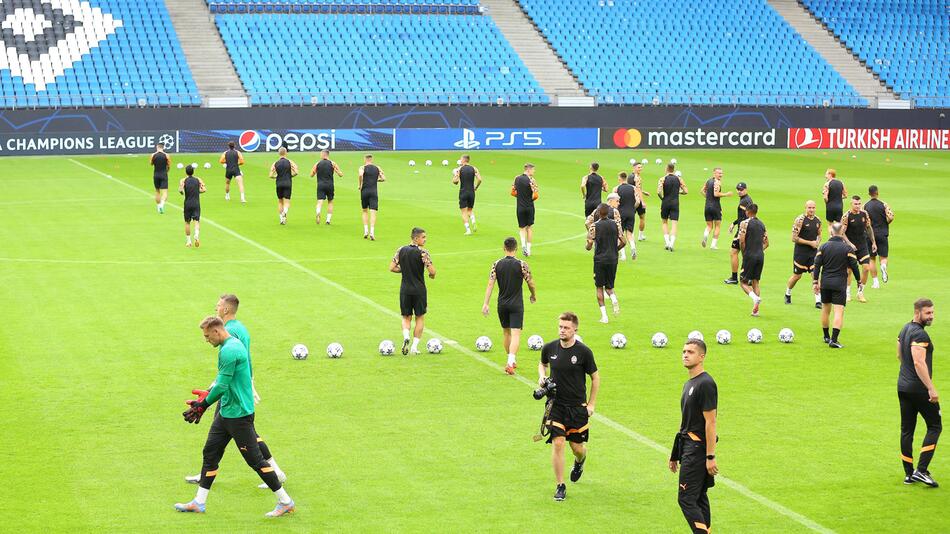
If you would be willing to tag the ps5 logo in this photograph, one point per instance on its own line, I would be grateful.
(468, 141)
(499, 138)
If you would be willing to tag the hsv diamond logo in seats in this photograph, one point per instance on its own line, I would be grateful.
(43, 38)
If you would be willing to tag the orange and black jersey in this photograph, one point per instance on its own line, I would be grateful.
(283, 170)
(526, 191)
(913, 335)
(510, 273)
(807, 228)
(628, 199)
(832, 262)
(370, 178)
(160, 162)
(232, 159)
(466, 174)
(856, 227)
(670, 186)
(700, 394)
(755, 236)
(324, 171)
(595, 186)
(881, 216)
(710, 188)
(612, 213)
(834, 189)
(605, 234)
(744, 202)
(412, 261)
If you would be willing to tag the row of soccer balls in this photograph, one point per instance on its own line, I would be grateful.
(445, 162)
(535, 342)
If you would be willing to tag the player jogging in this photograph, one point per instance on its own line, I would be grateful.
(606, 233)
(525, 190)
(744, 202)
(160, 162)
(369, 176)
(324, 171)
(832, 262)
(510, 273)
(592, 185)
(412, 261)
(753, 240)
(232, 160)
(806, 235)
(468, 179)
(712, 192)
(917, 393)
(283, 171)
(233, 388)
(628, 205)
(669, 189)
(191, 187)
(881, 218)
(856, 225)
(637, 182)
(834, 193)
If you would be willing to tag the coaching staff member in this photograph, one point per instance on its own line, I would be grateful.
(569, 360)
(917, 393)
(694, 448)
(832, 262)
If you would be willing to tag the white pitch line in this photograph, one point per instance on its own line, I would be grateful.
(741, 489)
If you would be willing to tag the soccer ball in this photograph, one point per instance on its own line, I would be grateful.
(578, 338)
(673, 161)
(445, 163)
(428, 163)
(659, 340)
(194, 165)
(659, 161)
(633, 161)
(618, 341)
(412, 163)
(723, 337)
(786, 335)
(535, 342)
(754, 336)
(181, 165)
(677, 174)
(434, 346)
(387, 348)
(644, 161)
(483, 344)
(695, 334)
(334, 350)
(207, 165)
(299, 352)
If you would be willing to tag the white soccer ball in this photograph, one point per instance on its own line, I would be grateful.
(754, 336)
(181, 165)
(483, 344)
(445, 163)
(786, 335)
(194, 165)
(299, 352)
(678, 174)
(723, 337)
(695, 334)
(578, 338)
(428, 163)
(644, 161)
(659, 340)
(334, 350)
(207, 165)
(434, 346)
(412, 163)
(633, 161)
(659, 161)
(673, 161)
(535, 342)
(387, 347)
(618, 341)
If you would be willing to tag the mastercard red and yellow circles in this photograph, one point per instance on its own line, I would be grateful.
(627, 138)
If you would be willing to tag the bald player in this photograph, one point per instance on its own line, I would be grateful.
(806, 235)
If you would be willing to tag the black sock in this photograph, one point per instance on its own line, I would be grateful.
(834, 334)
(735, 275)
(825, 330)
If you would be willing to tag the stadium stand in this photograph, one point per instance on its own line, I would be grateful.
(682, 51)
(91, 53)
(905, 42)
(376, 59)
(351, 7)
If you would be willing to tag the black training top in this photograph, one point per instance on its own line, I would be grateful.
(807, 228)
(595, 186)
(628, 199)
(744, 202)
(284, 171)
(913, 335)
(568, 367)
(713, 187)
(671, 190)
(232, 161)
(192, 190)
(466, 179)
(325, 172)
(857, 230)
(525, 187)
(160, 163)
(370, 178)
(878, 211)
(412, 261)
(605, 234)
(700, 394)
(754, 230)
(835, 192)
(832, 262)
(510, 273)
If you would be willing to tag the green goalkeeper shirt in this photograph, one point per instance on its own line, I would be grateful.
(237, 329)
(233, 384)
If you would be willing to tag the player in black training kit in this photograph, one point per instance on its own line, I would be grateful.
(324, 171)
(806, 234)
(834, 193)
(917, 393)
(881, 217)
(191, 187)
(592, 185)
(232, 159)
(412, 261)
(856, 225)
(712, 192)
(637, 182)
(525, 189)
(160, 162)
(628, 204)
(283, 171)
(753, 240)
(694, 447)
(510, 273)
(468, 179)
(744, 202)
(568, 411)
(369, 176)
(669, 188)
(606, 233)
(830, 276)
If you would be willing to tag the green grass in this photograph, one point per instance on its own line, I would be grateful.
(99, 346)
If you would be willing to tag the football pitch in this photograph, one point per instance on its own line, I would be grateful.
(100, 346)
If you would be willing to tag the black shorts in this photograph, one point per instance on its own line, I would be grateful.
(881, 246)
(670, 212)
(833, 212)
(803, 263)
(605, 274)
(192, 213)
(751, 268)
(628, 223)
(412, 305)
(641, 210)
(525, 217)
(511, 316)
(735, 244)
(325, 192)
(369, 200)
(466, 200)
(863, 253)
(569, 422)
(831, 295)
(284, 191)
(712, 213)
(160, 182)
(232, 174)
(590, 207)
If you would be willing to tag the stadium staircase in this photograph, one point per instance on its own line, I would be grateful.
(552, 74)
(211, 66)
(848, 65)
